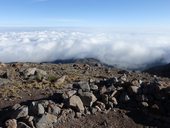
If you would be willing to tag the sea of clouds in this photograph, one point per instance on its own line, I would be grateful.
(123, 49)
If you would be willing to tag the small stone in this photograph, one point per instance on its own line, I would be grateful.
(78, 114)
(124, 98)
(133, 89)
(98, 109)
(103, 90)
(144, 104)
(60, 80)
(40, 109)
(68, 94)
(100, 105)
(16, 106)
(93, 110)
(87, 111)
(135, 82)
(22, 125)
(69, 86)
(113, 100)
(11, 123)
(105, 98)
(111, 89)
(54, 109)
(155, 107)
(110, 104)
(94, 87)
(30, 118)
(123, 78)
(114, 93)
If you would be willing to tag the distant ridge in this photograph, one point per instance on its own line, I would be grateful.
(90, 61)
(163, 70)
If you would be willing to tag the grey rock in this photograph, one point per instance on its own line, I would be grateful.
(113, 93)
(20, 112)
(29, 72)
(54, 109)
(11, 123)
(111, 88)
(133, 89)
(4, 81)
(124, 97)
(103, 90)
(93, 110)
(68, 86)
(66, 114)
(40, 74)
(60, 80)
(123, 78)
(87, 98)
(34, 73)
(113, 100)
(29, 118)
(4, 74)
(110, 104)
(46, 121)
(68, 94)
(105, 98)
(16, 106)
(2, 65)
(40, 109)
(76, 103)
(101, 105)
(144, 104)
(87, 111)
(135, 82)
(45, 103)
(22, 125)
(94, 87)
(78, 114)
(82, 85)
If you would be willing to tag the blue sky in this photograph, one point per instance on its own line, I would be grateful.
(85, 13)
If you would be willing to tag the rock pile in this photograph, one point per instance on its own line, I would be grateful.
(84, 98)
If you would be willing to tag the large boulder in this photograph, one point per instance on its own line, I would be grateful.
(34, 73)
(76, 103)
(87, 98)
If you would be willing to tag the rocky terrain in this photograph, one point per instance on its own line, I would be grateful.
(81, 94)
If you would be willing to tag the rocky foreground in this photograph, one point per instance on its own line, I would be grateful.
(81, 95)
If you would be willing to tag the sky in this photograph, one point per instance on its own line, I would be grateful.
(85, 13)
(131, 34)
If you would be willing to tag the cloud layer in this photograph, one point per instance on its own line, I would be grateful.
(124, 49)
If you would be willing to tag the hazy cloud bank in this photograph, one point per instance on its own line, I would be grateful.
(125, 49)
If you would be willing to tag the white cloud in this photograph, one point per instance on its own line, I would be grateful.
(122, 49)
